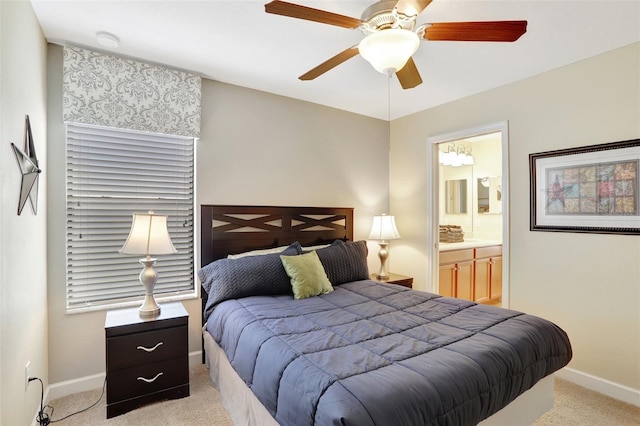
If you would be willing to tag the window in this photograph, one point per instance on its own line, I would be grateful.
(112, 173)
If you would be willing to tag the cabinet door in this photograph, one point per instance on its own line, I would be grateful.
(464, 280)
(496, 278)
(482, 288)
(446, 282)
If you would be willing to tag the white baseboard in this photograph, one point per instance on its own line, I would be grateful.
(82, 384)
(69, 387)
(605, 387)
(195, 358)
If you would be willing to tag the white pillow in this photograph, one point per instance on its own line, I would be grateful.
(257, 252)
(312, 248)
(273, 250)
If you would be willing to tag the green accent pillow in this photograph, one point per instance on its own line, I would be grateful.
(307, 275)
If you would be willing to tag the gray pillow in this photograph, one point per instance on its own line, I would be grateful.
(345, 262)
(261, 275)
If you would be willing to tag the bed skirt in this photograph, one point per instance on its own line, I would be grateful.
(241, 404)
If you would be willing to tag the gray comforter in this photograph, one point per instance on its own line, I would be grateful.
(380, 354)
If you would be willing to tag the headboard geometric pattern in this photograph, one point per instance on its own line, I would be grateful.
(233, 229)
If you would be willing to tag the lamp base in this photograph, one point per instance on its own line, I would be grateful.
(149, 308)
(383, 254)
(148, 278)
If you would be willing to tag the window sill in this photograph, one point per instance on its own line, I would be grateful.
(131, 303)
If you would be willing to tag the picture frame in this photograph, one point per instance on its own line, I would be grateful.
(590, 189)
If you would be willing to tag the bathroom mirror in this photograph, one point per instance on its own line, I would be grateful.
(483, 195)
(456, 196)
(490, 195)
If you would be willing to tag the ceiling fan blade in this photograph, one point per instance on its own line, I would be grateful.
(408, 76)
(412, 7)
(476, 31)
(331, 63)
(303, 12)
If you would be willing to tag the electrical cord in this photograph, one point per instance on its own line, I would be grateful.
(44, 418)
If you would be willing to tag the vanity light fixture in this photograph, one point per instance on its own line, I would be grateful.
(456, 156)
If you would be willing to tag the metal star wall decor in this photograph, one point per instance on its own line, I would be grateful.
(28, 163)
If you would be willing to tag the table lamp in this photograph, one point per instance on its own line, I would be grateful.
(148, 236)
(383, 229)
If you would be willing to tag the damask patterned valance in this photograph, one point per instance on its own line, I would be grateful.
(116, 92)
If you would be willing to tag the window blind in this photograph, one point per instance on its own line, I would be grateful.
(112, 173)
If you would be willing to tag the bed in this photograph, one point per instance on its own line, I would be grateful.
(358, 352)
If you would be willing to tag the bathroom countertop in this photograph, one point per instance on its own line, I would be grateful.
(469, 243)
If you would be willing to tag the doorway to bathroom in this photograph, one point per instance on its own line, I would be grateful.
(468, 222)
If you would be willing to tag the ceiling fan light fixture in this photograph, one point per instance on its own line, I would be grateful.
(389, 50)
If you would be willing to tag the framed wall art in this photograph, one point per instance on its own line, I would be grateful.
(590, 189)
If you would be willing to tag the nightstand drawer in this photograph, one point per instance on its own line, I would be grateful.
(147, 378)
(147, 357)
(141, 348)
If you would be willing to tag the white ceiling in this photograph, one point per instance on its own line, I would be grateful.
(236, 42)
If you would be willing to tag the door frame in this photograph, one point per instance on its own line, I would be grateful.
(433, 216)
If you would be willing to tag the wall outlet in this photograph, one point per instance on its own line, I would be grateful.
(27, 374)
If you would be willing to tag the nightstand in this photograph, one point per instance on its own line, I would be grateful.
(395, 279)
(147, 358)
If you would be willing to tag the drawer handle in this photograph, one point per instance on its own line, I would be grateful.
(149, 349)
(151, 380)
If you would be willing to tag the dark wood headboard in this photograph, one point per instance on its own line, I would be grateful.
(234, 229)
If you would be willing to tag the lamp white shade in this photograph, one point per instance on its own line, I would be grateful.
(384, 228)
(389, 50)
(149, 235)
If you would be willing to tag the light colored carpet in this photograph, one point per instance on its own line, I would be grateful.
(574, 406)
(201, 407)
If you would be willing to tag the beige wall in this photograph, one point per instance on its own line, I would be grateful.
(23, 255)
(588, 284)
(255, 148)
(263, 149)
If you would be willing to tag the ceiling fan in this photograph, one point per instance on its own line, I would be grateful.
(391, 35)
